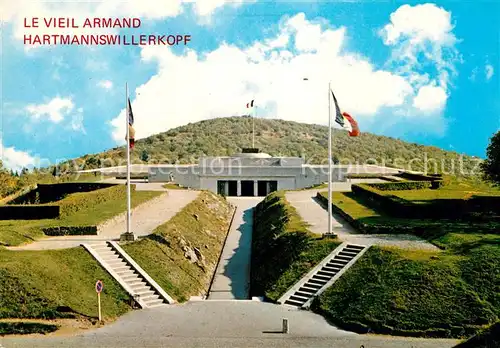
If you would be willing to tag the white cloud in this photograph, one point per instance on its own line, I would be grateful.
(421, 36)
(489, 71)
(15, 159)
(106, 84)
(54, 110)
(196, 86)
(77, 121)
(430, 98)
(419, 24)
(207, 7)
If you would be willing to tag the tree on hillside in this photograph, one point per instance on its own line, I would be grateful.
(491, 166)
(144, 156)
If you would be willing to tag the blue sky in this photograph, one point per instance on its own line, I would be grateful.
(421, 73)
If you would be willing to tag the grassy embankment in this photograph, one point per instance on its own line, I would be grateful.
(53, 284)
(452, 293)
(78, 209)
(181, 255)
(488, 338)
(43, 284)
(283, 249)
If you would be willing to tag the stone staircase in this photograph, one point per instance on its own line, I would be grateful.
(134, 280)
(323, 275)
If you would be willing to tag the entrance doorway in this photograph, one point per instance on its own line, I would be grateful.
(265, 187)
(227, 187)
(247, 189)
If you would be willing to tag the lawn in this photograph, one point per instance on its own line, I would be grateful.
(452, 293)
(94, 211)
(56, 284)
(455, 190)
(397, 292)
(439, 232)
(182, 254)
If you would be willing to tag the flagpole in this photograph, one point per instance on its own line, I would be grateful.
(329, 162)
(128, 157)
(253, 127)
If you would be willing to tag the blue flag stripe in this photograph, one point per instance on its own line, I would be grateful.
(338, 115)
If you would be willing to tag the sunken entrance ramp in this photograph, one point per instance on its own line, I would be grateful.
(232, 277)
(323, 275)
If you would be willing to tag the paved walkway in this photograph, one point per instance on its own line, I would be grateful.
(220, 324)
(145, 218)
(232, 277)
(314, 214)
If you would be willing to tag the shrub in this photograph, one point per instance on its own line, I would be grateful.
(20, 328)
(419, 177)
(70, 230)
(401, 185)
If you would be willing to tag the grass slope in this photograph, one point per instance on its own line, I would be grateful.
(488, 338)
(450, 293)
(92, 210)
(416, 293)
(283, 249)
(56, 284)
(197, 231)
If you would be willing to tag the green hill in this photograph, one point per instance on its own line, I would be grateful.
(226, 136)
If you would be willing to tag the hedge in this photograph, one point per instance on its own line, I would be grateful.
(25, 328)
(70, 231)
(401, 185)
(477, 208)
(47, 193)
(83, 201)
(419, 177)
(419, 230)
(29, 212)
(365, 176)
(376, 228)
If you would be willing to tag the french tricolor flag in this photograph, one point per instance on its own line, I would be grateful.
(345, 120)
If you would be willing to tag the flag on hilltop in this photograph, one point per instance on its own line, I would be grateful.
(345, 120)
(131, 130)
(250, 105)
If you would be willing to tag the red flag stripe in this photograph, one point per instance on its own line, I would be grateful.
(354, 125)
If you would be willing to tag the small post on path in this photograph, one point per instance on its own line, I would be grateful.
(98, 289)
(285, 326)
